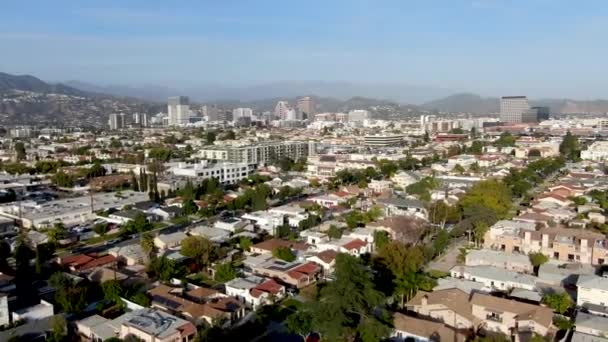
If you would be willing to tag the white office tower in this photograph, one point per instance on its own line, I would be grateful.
(239, 113)
(358, 115)
(178, 110)
(116, 121)
(291, 115)
(512, 108)
(281, 109)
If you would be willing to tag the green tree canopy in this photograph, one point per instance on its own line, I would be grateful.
(559, 302)
(284, 253)
(197, 248)
(224, 272)
(490, 194)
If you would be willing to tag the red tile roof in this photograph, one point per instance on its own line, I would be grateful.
(269, 286)
(328, 255)
(76, 260)
(307, 268)
(355, 244)
(104, 260)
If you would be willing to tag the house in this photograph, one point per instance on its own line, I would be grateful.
(171, 240)
(255, 291)
(175, 301)
(379, 186)
(460, 310)
(402, 179)
(295, 274)
(592, 290)
(510, 316)
(33, 313)
(167, 213)
(325, 259)
(150, 325)
(131, 254)
(232, 224)
(328, 201)
(397, 206)
(450, 306)
(407, 328)
(494, 277)
(266, 247)
(590, 327)
(508, 261)
(346, 244)
(211, 233)
(407, 229)
(555, 198)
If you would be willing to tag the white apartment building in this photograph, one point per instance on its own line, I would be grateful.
(260, 153)
(178, 110)
(226, 173)
(281, 109)
(598, 151)
(358, 115)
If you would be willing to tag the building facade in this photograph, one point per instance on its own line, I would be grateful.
(512, 108)
(258, 154)
(178, 110)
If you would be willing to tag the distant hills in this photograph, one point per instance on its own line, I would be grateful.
(472, 103)
(400, 93)
(31, 83)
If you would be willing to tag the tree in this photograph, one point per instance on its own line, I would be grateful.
(164, 269)
(138, 224)
(197, 248)
(58, 328)
(44, 253)
(570, 147)
(334, 232)
(62, 179)
(245, 243)
(20, 151)
(381, 239)
(284, 253)
(134, 183)
(100, 228)
(189, 207)
(491, 194)
(480, 228)
(559, 302)
(476, 147)
(210, 137)
(71, 296)
(57, 233)
(147, 245)
(505, 140)
(458, 169)
(112, 290)
(407, 284)
(348, 307)
(537, 259)
(300, 323)
(224, 272)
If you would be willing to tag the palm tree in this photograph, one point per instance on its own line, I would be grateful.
(147, 245)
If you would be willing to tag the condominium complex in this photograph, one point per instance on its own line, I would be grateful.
(563, 244)
(358, 115)
(384, 140)
(178, 110)
(116, 121)
(261, 153)
(226, 173)
(512, 108)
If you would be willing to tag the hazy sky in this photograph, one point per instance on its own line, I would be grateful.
(541, 48)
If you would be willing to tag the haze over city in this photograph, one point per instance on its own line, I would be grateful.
(544, 49)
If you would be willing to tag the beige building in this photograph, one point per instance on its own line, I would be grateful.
(460, 310)
(563, 244)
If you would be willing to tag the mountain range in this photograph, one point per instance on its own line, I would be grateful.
(389, 100)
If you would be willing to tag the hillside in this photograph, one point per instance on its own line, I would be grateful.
(27, 100)
(10, 82)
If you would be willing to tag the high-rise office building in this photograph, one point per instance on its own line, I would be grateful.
(178, 110)
(281, 109)
(512, 108)
(542, 113)
(239, 113)
(140, 119)
(306, 108)
(116, 121)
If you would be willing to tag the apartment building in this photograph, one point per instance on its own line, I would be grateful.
(562, 244)
(225, 173)
(261, 153)
(459, 310)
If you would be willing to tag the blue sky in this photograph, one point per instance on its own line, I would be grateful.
(543, 48)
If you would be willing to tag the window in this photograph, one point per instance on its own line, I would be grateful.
(556, 255)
